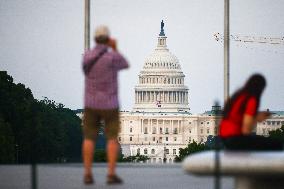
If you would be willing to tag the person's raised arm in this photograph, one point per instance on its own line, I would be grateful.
(119, 61)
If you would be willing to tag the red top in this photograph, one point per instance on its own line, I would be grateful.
(232, 125)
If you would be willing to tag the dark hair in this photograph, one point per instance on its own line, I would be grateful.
(102, 39)
(253, 87)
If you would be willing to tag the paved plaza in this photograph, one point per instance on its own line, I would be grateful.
(136, 176)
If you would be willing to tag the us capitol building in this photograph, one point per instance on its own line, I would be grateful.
(160, 122)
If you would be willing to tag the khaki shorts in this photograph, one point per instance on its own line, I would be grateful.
(92, 119)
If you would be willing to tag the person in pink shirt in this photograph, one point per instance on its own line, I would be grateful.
(101, 65)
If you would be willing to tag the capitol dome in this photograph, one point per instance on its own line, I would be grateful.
(161, 82)
(161, 59)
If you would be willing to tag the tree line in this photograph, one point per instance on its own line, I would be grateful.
(32, 129)
(211, 144)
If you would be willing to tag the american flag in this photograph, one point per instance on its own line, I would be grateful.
(158, 103)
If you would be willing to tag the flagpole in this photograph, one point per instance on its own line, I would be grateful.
(87, 25)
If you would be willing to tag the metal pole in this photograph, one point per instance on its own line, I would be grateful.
(87, 25)
(226, 50)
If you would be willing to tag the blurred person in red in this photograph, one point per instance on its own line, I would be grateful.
(101, 65)
(241, 115)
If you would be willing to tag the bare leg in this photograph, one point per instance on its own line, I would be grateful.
(112, 151)
(88, 155)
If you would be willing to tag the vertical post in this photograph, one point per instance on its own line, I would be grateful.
(87, 25)
(226, 49)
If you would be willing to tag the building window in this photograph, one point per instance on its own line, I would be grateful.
(138, 151)
(215, 130)
(154, 130)
(167, 138)
(167, 130)
(201, 140)
(167, 151)
(201, 123)
(130, 121)
(130, 138)
(174, 151)
(268, 122)
(153, 138)
(153, 151)
(160, 139)
(145, 151)
(207, 131)
(131, 129)
(119, 138)
(161, 130)
(201, 131)
(175, 130)
(208, 123)
(189, 139)
(189, 122)
(145, 130)
(175, 138)
(189, 130)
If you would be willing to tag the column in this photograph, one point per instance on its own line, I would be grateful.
(171, 125)
(166, 96)
(186, 96)
(150, 128)
(156, 96)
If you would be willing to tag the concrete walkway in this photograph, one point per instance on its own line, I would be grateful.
(135, 176)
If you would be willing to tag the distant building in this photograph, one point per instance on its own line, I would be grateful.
(271, 124)
(160, 122)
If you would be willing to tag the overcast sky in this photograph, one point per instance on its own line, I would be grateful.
(41, 45)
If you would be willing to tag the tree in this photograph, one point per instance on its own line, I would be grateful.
(136, 158)
(190, 149)
(277, 134)
(7, 143)
(42, 130)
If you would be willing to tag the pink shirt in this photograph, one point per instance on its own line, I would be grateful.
(101, 86)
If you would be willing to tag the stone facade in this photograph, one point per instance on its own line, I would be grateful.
(160, 122)
(271, 124)
(160, 135)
